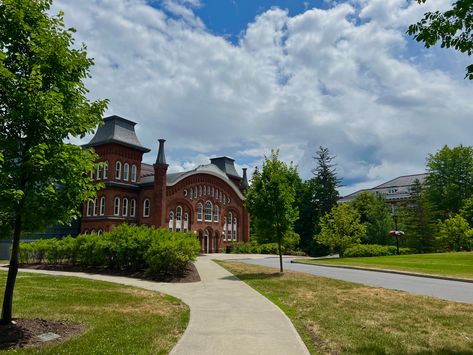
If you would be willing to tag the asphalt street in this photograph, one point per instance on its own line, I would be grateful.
(444, 289)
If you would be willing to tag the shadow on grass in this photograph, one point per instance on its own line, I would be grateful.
(258, 276)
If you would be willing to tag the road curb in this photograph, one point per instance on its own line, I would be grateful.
(388, 271)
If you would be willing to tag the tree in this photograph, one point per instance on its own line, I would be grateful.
(453, 28)
(44, 179)
(374, 214)
(316, 197)
(467, 211)
(341, 228)
(450, 179)
(455, 234)
(270, 200)
(416, 221)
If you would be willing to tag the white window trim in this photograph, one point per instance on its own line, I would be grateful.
(146, 201)
(126, 172)
(118, 169)
(205, 211)
(134, 172)
(102, 205)
(133, 208)
(200, 211)
(125, 207)
(116, 206)
(105, 170)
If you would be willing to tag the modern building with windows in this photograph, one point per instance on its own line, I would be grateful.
(208, 200)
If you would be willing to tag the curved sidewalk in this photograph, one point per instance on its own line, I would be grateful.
(227, 316)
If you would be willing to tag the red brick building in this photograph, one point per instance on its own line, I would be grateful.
(208, 200)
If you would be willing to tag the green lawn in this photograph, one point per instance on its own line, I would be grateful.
(443, 264)
(120, 319)
(337, 317)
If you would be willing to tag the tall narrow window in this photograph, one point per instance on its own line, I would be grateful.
(102, 205)
(200, 190)
(224, 228)
(146, 204)
(195, 192)
(208, 190)
(234, 229)
(205, 190)
(133, 208)
(133, 173)
(99, 232)
(90, 208)
(229, 229)
(125, 207)
(186, 222)
(126, 171)
(199, 212)
(118, 170)
(213, 192)
(105, 170)
(178, 218)
(191, 195)
(216, 213)
(99, 172)
(116, 206)
(96, 206)
(208, 211)
(224, 199)
(171, 221)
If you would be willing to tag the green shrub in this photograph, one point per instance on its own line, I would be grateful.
(366, 250)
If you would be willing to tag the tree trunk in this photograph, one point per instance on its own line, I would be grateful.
(12, 271)
(280, 257)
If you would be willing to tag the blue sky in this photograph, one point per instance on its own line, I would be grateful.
(241, 77)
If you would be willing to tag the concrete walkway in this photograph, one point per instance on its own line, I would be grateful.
(227, 316)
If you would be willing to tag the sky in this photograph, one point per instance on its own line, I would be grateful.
(242, 77)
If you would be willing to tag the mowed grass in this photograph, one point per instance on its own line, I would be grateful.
(443, 264)
(119, 319)
(337, 317)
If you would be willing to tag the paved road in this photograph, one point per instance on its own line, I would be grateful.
(227, 316)
(444, 289)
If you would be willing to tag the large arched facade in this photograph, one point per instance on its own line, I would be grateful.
(207, 201)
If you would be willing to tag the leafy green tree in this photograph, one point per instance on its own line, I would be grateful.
(450, 179)
(375, 215)
(455, 234)
(44, 179)
(316, 196)
(270, 200)
(341, 228)
(416, 221)
(453, 28)
(467, 210)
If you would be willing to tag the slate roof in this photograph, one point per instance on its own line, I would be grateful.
(118, 130)
(227, 165)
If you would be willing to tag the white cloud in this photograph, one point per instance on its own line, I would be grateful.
(343, 78)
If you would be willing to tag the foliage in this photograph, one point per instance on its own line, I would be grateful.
(316, 196)
(450, 179)
(159, 251)
(375, 215)
(455, 234)
(453, 28)
(268, 248)
(341, 228)
(366, 250)
(467, 210)
(416, 221)
(271, 200)
(43, 179)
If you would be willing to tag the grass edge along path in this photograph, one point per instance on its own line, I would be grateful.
(119, 319)
(335, 316)
(455, 265)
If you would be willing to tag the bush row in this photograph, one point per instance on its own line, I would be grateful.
(255, 248)
(361, 250)
(157, 251)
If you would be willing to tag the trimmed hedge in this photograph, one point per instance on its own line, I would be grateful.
(255, 248)
(157, 251)
(365, 250)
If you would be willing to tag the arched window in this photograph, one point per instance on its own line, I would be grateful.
(229, 228)
(132, 208)
(92, 231)
(200, 190)
(99, 172)
(90, 208)
(208, 190)
(118, 170)
(178, 218)
(199, 212)
(126, 171)
(105, 170)
(116, 206)
(96, 206)
(224, 228)
(195, 192)
(125, 207)
(99, 232)
(213, 192)
(216, 213)
(208, 211)
(102, 205)
(234, 229)
(224, 199)
(171, 221)
(133, 173)
(146, 204)
(205, 190)
(191, 195)
(186, 222)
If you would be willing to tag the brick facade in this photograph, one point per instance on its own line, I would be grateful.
(208, 201)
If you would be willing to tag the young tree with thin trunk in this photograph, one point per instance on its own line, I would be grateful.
(270, 200)
(43, 179)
